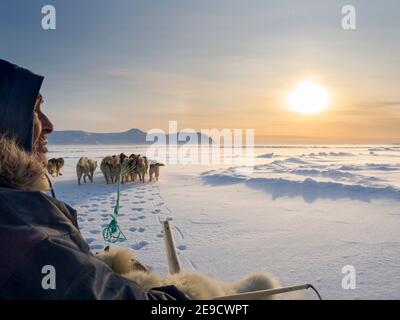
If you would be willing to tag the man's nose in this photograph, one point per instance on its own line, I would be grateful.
(47, 126)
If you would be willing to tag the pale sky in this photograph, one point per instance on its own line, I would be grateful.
(112, 66)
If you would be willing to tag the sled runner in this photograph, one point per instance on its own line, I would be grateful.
(172, 256)
(262, 294)
(174, 267)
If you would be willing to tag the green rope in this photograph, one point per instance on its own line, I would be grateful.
(112, 233)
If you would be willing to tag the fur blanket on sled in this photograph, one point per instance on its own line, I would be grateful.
(195, 284)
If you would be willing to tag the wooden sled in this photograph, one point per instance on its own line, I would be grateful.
(174, 267)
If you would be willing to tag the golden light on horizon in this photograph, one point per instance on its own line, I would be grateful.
(308, 98)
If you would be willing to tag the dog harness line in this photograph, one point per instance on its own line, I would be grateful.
(112, 233)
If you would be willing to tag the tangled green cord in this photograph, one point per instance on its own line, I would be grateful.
(112, 233)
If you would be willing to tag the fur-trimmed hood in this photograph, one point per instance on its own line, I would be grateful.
(19, 89)
(19, 168)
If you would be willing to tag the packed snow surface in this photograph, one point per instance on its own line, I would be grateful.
(301, 213)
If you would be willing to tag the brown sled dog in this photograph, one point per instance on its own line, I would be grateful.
(54, 166)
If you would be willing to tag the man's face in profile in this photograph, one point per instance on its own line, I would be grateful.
(41, 128)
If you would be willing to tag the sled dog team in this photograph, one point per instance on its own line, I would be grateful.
(132, 167)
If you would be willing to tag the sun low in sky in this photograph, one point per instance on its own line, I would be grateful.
(204, 66)
(308, 98)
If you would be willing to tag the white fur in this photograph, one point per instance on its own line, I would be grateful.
(86, 168)
(195, 284)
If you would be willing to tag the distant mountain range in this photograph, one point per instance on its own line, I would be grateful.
(133, 136)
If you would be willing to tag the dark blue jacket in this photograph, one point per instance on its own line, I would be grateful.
(37, 230)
